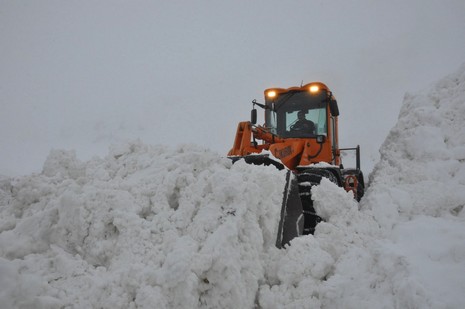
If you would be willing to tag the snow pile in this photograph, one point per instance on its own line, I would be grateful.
(417, 192)
(422, 166)
(155, 227)
(416, 256)
(146, 227)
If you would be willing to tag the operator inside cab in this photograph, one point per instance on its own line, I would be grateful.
(302, 124)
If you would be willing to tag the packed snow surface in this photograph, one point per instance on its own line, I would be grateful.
(163, 227)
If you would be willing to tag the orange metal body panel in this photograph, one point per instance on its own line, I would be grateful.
(292, 152)
(243, 145)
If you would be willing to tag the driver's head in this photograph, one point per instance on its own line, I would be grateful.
(301, 115)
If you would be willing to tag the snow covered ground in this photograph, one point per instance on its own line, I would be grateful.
(161, 227)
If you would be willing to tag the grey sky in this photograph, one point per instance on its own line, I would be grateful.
(85, 74)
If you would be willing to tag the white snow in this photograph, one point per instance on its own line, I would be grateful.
(181, 227)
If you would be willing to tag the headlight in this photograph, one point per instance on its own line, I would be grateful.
(314, 89)
(271, 94)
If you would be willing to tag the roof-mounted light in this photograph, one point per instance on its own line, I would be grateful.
(314, 89)
(271, 94)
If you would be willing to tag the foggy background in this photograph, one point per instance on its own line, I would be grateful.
(87, 74)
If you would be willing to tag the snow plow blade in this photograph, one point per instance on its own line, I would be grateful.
(291, 223)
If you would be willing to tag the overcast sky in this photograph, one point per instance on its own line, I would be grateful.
(87, 74)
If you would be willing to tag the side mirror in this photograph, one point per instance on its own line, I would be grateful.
(333, 108)
(253, 116)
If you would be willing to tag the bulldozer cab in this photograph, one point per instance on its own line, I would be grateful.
(289, 113)
(281, 115)
(301, 127)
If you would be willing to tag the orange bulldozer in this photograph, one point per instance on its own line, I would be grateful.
(300, 134)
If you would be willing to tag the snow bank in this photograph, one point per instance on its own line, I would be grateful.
(146, 227)
(422, 166)
(154, 227)
(417, 193)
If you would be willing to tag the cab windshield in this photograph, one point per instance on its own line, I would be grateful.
(297, 114)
